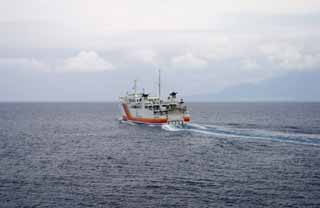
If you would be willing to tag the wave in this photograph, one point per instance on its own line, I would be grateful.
(250, 133)
(121, 121)
(169, 127)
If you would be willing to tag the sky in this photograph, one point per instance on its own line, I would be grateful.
(81, 50)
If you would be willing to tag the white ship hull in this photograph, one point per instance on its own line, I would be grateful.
(147, 116)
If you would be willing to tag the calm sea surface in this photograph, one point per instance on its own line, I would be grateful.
(233, 154)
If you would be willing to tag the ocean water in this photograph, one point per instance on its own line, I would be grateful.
(231, 155)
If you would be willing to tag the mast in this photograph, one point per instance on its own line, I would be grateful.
(159, 82)
(135, 86)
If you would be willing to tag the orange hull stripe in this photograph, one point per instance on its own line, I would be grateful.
(150, 120)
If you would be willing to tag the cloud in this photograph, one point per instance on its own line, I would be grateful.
(145, 56)
(145, 14)
(250, 64)
(23, 63)
(188, 61)
(87, 61)
(290, 57)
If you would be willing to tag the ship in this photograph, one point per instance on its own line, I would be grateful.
(141, 108)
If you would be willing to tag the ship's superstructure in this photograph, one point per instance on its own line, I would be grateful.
(143, 108)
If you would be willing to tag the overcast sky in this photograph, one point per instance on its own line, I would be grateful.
(81, 50)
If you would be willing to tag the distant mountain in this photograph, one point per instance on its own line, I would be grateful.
(298, 86)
